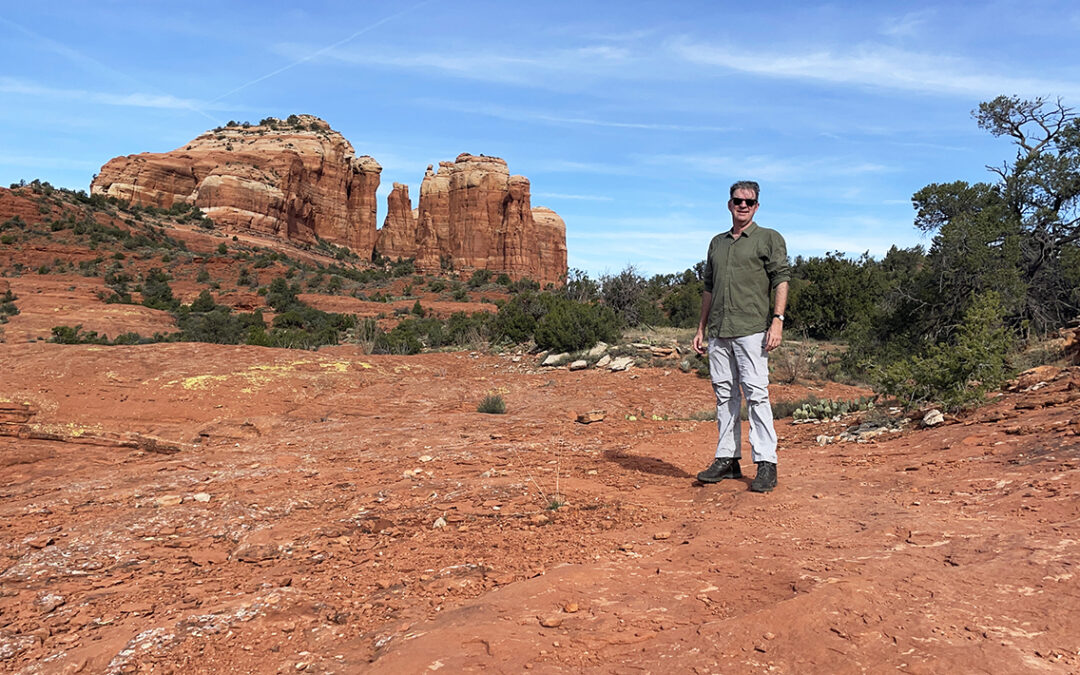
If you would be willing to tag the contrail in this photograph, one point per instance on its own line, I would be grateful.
(322, 51)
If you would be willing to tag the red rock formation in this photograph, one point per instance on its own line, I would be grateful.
(397, 238)
(551, 237)
(475, 213)
(299, 180)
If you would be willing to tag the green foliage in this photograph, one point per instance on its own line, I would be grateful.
(958, 373)
(479, 278)
(828, 294)
(683, 304)
(493, 404)
(156, 292)
(7, 306)
(812, 408)
(569, 326)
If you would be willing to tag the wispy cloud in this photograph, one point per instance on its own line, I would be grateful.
(10, 85)
(873, 65)
(907, 25)
(559, 195)
(523, 115)
(36, 162)
(767, 168)
(558, 68)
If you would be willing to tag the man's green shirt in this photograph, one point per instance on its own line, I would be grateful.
(740, 274)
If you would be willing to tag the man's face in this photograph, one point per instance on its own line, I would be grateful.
(741, 211)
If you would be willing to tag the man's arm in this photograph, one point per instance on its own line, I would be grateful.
(706, 304)
(776, 327)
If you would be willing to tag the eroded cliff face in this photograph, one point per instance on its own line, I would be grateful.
(473, 213)
(299, 180)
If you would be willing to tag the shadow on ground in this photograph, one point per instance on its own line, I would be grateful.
(657, 467)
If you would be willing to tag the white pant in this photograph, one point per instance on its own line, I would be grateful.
(736, 363)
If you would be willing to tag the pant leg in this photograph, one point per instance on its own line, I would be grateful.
(752, 363)
(725, 382)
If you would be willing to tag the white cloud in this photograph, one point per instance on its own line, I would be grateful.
(10, 85)
(522, 115)
(874, 65)
(767, 168)
(907, 25)
(559, 195)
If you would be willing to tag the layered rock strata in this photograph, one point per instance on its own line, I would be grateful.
(474, 214)
(298, 180)
(301, 181)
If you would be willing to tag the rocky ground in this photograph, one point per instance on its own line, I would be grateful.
(194, 508)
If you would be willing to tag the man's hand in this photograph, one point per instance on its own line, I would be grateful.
(775, 335)
(699, 342)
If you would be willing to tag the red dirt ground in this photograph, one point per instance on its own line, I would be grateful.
(193, 508)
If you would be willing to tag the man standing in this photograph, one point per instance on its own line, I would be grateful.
(744, 265)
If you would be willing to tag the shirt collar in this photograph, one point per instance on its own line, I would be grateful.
(749, 229)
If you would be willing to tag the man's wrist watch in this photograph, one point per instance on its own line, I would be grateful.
(779, 316)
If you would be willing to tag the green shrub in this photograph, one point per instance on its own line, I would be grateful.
(156, 292)
(570, 326)
(956, 374)
(493, 404)
(479, 278)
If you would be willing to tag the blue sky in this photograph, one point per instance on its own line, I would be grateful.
(630, 118)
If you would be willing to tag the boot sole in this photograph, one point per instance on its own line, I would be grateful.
(717, 480)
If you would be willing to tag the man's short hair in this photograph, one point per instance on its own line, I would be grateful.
(746, 185)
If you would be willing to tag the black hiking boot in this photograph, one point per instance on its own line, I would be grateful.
(721, 468)
(765, 480)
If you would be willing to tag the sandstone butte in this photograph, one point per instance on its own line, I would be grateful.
(301, 181)
(475, 214)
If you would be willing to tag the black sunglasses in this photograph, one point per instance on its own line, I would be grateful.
(737, 201)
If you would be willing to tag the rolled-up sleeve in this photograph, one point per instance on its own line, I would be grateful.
(777, 266)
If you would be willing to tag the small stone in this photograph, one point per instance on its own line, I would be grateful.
(201, 497)
(426, 458)
(554, 359)
(822, 439)
(591, 416)
(571, 608)
(168, 500)
(626, 547)
(540, 519)
(769, 636)
(440, 522)
(553, 621)
(257, 553)
(604, 361)
(41, 542)
(621, 363)
(660, 536)
(932, 418)
(580, 364)
(50, 602)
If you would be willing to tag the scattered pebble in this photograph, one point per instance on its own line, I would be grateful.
(202, 497)
(553, 621)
